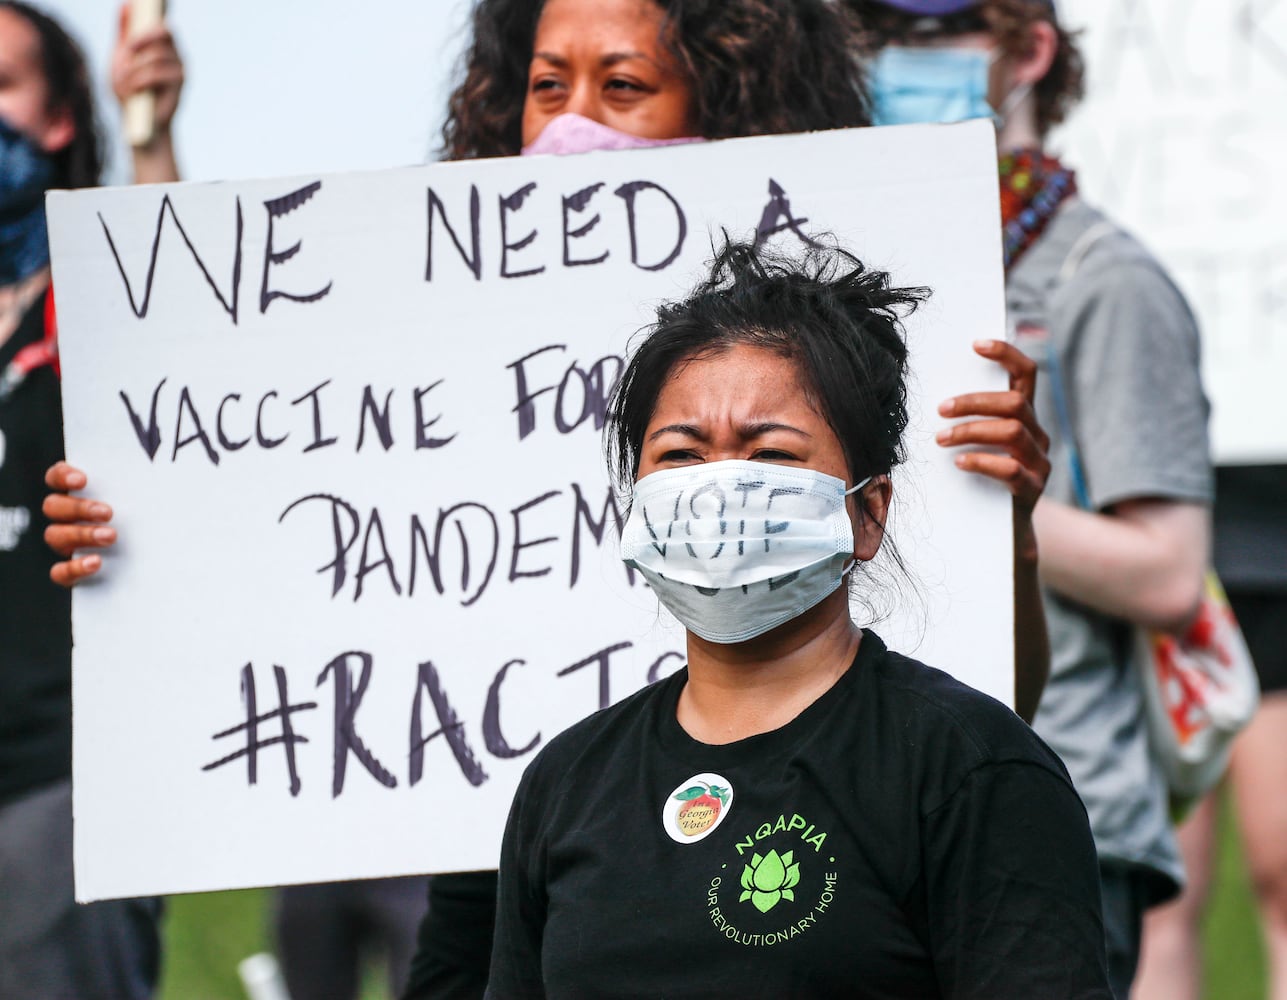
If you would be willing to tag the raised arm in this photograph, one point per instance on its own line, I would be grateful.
(150, 62)
(1006, 424)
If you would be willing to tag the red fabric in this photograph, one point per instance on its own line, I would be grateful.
(45, 352)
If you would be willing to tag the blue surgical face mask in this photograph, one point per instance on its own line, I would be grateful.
(913, 86)
(26, 173)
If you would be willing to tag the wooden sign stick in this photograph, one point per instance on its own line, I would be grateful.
(139, 112)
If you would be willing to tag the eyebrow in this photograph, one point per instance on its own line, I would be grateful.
(747, 430)
(611, 59)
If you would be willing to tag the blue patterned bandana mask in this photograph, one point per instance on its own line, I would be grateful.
(26, 173)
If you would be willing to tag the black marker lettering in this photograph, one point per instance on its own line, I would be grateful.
(779, 208)
(494, 740)
(628, 193)
(514, 572)
(276, 208)
(449, 727)
(583, 515)
(229, 303)
(602, 658)
(266, 443)
(185, 402)
(512, 203)
(224, 442)
(383, 424)
(374, 528)
(314, 394)
(455, 515)
(777, 527)
(473, 261)
(577, 203)
(654, 672)
(348, 699)
(149, 438)
(423, 440)
(524, 407)
(595, 393)
(782, 581)
(254, 743)
(657, 543)
(716, 491)
(338, 563)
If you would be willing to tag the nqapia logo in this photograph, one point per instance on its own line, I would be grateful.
(696, 807)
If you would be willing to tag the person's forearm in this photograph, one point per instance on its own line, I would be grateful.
(155, 163)
(1143, 563)
(1031, 640)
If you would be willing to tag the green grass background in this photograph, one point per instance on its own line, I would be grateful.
(208, 934)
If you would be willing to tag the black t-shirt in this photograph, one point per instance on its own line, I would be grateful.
(903, 837)
(35, 614)
(1250, 530)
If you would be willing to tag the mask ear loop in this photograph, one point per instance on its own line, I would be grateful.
(857, 486)
(849, 492)
(1012, 101)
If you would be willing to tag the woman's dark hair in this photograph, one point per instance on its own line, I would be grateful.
(1009, 21)
(757, 67)
(80, 162)
(838, 320)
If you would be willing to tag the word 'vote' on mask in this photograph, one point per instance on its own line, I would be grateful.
(734, 549)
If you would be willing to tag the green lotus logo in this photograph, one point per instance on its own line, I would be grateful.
(768, 880)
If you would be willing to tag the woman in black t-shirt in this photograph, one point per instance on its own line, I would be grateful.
(553, 75)
(799, 812)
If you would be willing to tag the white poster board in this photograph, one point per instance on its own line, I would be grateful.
(1182, 138)
(1179, 139)
(367, 553)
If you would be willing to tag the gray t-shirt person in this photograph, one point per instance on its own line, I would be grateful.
(1127, 349)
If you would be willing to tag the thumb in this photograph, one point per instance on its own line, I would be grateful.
(123, 22)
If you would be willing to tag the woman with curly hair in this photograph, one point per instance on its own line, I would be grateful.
(721, 68)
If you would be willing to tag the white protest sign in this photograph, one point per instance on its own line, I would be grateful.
(349, 426)
(1182, 138)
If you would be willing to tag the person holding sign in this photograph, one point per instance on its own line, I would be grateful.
(800, 811)
(1125, 529)
(49, 946)
(146, 68)
(634, 72)
(790, 67)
